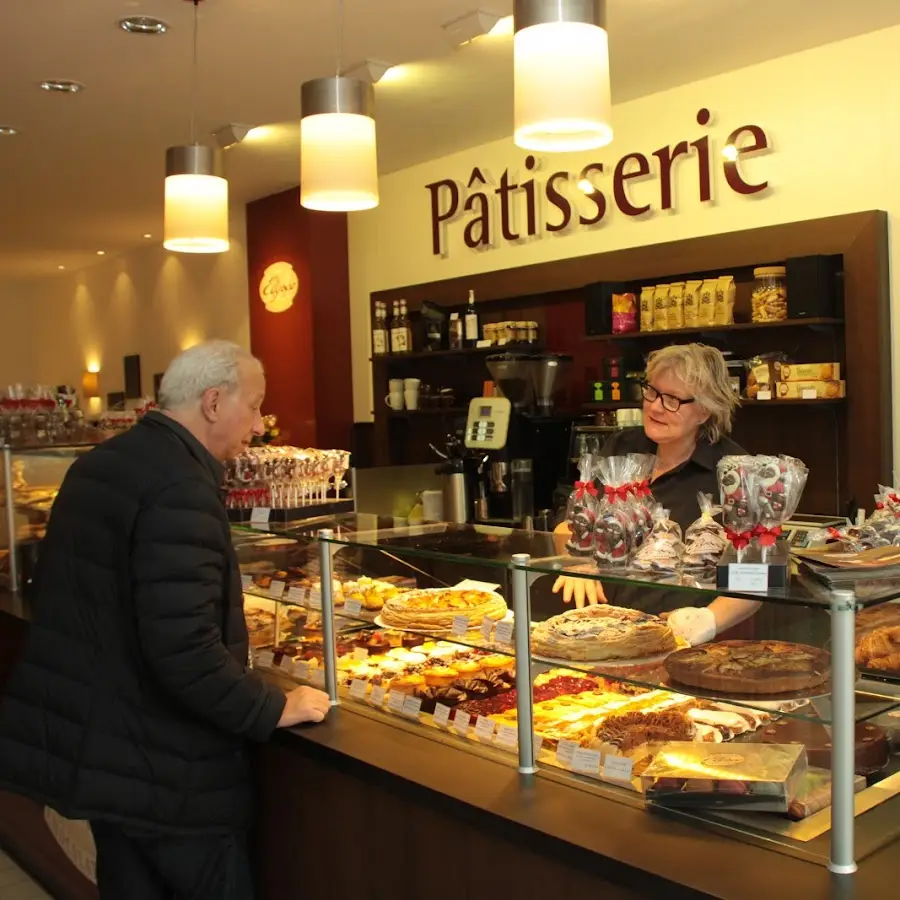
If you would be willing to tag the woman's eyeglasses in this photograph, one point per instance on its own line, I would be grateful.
(669, 401)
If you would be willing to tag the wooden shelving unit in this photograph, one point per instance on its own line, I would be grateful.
(745, 404)
(718, 329)
(465, 352)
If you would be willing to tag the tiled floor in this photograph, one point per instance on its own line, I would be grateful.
(16, 885)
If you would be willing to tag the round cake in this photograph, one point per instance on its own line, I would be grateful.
(751, 667)
(434, 610)
(602, 632)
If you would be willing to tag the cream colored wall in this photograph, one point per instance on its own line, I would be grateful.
(832, 119)
(150, 302)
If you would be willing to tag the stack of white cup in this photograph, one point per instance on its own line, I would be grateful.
(404, 393)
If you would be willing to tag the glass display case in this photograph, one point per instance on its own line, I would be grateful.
(767, 732)
(29, 481)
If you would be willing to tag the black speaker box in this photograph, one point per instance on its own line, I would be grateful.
(815, 287)
(598, 306)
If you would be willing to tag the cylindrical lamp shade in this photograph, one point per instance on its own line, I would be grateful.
(561, 69)
(338, 154)
(196, 215)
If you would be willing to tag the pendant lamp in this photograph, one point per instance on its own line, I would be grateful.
(338, 158)
(561, 70)
(196, 211)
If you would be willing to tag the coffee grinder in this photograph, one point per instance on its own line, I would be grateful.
(525, 438)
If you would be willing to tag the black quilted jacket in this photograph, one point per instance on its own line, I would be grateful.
(132, 701)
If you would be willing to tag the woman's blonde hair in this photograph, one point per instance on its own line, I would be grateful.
(704, 373)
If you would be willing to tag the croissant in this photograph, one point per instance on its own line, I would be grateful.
(880, 649)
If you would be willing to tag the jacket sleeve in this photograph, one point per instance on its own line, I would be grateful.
(178, 567)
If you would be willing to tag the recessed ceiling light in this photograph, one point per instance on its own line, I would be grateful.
(8, 130)
(148, 235)
(60, 267)
(101, 253)
(143, 25)
(62, 86)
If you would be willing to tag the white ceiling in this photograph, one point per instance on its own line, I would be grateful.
(86, 172)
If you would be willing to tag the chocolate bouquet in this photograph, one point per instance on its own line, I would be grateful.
(614, 527)
(660, 554)
(704, 542)
(881, 529)
(779, 485)
(737, 486)
(641, 503)
(582, 509)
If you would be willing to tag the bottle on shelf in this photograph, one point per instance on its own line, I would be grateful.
(406, 339)
(394, 327)
(471, 322)
(380, 337)
(455, 332)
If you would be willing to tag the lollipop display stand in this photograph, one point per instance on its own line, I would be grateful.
(748, 570)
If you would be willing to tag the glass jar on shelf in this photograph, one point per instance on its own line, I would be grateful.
(769, 299)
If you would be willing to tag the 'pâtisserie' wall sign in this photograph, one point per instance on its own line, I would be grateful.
(278, 287)
(512, 211)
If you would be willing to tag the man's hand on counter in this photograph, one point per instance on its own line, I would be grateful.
(304, 704)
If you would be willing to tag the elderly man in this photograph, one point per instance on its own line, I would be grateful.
(133, 700)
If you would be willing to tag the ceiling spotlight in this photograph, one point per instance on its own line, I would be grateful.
(60, 267)
(470, 26)
(370, 70)
(101, 253)
(62, 86)
(231, 134)
(143, 25)
(8, 131)
(148, 235)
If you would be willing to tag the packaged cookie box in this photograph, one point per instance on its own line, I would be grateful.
(762, 777)
(827, 371)
(811, 390)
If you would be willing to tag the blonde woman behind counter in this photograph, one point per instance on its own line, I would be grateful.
(688, 411)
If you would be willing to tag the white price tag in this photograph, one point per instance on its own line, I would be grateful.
(315, 600)
(484, 728)
(618, 768)
(317, 678)
(487, 628)
(412, 706)
(538, 743)
(353, 607)
(265, 659)
(296, 594)
(260, 515)
(460, 626)
(809, 394)
(301, 670)
(276, 590)
(504, 634)
(565, 751)
(376, 698)
(287, 665)
(441, 715)
(469, 584)
(748, 577)
(246, 581)
(508, 736)
(358, 689)
(461, 722)
(360, 654)
(395, 701)
(586, 762)
(763, 395)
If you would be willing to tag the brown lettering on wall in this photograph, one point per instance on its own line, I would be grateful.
(439, 215)
(530, 200)
(701, 145)
(667, 156)
(732, 172)
(556, 199)
(477, 233)
(620, 176)
(503, 192)
(597, 197)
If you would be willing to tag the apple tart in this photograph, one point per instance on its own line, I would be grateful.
(434, 610)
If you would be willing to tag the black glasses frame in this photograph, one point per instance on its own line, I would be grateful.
(669, 401)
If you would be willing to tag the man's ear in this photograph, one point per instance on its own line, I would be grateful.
(210, 404)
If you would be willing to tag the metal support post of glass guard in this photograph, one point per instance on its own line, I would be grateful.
(521, 598)
(327, 586)
(843, 725)
(10, 520)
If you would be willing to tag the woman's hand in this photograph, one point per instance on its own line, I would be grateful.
(584, 591)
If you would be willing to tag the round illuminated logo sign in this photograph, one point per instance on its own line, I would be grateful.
(278, 287)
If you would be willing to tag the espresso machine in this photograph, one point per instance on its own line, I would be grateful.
(524, 436)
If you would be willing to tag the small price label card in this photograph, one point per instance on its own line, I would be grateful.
(276, 590)
(301, 670)
(460, 626)
(412, 706)
(565, 752)
(461, 722)
(296, 594)
(586, 762)
(484, 729)
(358, 689)
(504, 634)
(763, 395)
(260, 515)
(809, 394)
(748, 577)
(441, 715)
(315, 600)
(265, 659)
(317, 678)
(246, 581)
(360, 654)
(508, 736)
(395, 701)
(376, 698)
(353, 607)
(618, 768)
(487, 628)
(538, 743)
(287, 665)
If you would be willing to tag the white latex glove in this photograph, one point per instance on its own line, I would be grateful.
(696, 625)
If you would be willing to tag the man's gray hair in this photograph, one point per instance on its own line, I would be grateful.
(213, 364)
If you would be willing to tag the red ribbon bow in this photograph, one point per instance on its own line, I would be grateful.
(642, 488)
(585, 487)
(835, 533)
(616, 493)
(894, 498)
(739, 539)
(767, 536)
